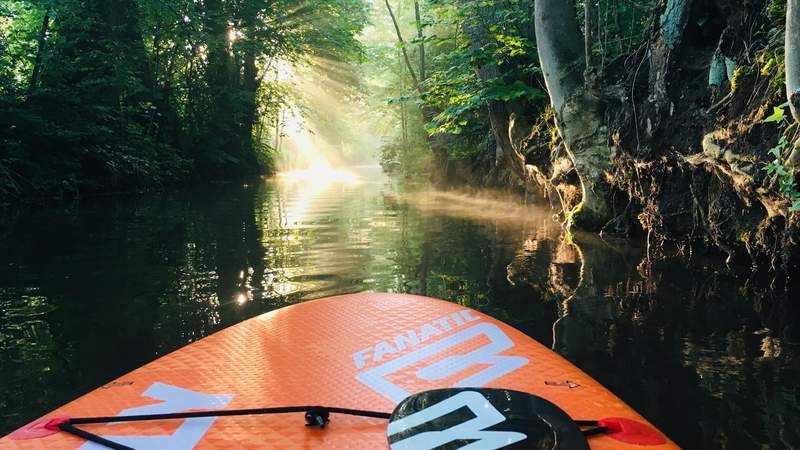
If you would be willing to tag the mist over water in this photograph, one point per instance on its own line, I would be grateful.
(90, 292)
(483, 205)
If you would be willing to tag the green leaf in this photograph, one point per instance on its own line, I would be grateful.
(795, 207)
(770, 168)
(778, 115)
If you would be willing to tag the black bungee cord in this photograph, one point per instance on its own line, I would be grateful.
(316, 416)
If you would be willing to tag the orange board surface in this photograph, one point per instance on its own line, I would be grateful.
(363, 351)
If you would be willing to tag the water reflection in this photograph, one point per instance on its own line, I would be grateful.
(90, 292)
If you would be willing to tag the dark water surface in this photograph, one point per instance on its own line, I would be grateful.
(89, 292)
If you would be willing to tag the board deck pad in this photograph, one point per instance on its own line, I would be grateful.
(362, 351)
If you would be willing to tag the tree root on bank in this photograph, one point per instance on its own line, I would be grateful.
(738, 170)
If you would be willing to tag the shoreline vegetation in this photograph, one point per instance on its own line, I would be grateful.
(662, 120)
(673, 122)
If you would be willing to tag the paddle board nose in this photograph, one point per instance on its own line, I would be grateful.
(368, 352)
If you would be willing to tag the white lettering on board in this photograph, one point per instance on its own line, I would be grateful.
(487, 355)
(174, 399)
(412, 338)
(486, 415)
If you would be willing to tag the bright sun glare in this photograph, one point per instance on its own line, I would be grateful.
(306, 156)
(318, 170)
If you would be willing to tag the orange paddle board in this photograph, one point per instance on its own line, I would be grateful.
(364, 351)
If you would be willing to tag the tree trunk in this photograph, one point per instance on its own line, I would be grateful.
(221, 128)
(578, 112)
(618, 27)
(191, 115)
(421, 38)
(793, 57)
(671, 26)
(250, 85)
(37, 65)
(403, 48)
(588, 12)
(249, 104)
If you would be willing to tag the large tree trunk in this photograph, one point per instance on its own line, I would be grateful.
(578, 112)
(792, 49)
(793, 57)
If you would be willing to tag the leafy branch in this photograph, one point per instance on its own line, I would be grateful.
(785, 178)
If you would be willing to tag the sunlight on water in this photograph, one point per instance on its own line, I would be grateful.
(308, 185)
(319, 176)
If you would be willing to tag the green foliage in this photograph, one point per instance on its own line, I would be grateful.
(787, 185)
(483, 52)
(499, 43)
(776, 10)
(399, 158)
(472, 97)
(460, 39)
(778, 115)
(18, 28)
(772, 66)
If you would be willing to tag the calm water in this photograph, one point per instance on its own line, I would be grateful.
(89, 292)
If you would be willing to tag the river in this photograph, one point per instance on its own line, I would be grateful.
(92, 290)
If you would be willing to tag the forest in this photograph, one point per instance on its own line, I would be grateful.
(98, 96)
(665, 119)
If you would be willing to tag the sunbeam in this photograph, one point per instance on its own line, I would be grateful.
(318, 135)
